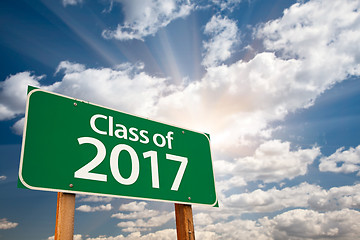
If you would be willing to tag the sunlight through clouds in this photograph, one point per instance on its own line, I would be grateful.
(268, 188)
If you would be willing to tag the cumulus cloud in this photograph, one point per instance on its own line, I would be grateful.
(5, 224)
(146, 224)
(309, 224)
(272, 161)
(134, 91)
(133, 206)
(87, 208)
(330, 29)
(224, 35)
(304, 195)
(13, 93)
(144, 18)
(342, 161)
(272, 199)
(144, 219)
(299, 224)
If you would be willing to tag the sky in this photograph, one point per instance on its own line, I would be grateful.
(276, 84)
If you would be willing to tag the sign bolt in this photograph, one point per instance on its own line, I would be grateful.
(75, 104)
(189, 198)
(71, 185)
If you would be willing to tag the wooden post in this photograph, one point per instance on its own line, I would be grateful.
(64, 227)
(184, 222)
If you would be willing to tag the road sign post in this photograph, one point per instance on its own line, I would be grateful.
(184, 222)
(65, 210)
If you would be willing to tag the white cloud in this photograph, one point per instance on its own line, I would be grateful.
(309, 224)
(144, 18)
(70, 67)
(202, 219)
(297, 224)
(87, 208)
(235, 230)
(133, 206)
(3, 178)
(342, 161)
(272, 199)
(166, 234)
(144, 219)
(71, 2)
(92, 198)
(227, 4)
(304, 195)
(5, 224)
(146, 213)
(144, 225)
(335, 198)
(13, 93)
(224, 35)
(317, 32)
(18, 127)
(272, 161)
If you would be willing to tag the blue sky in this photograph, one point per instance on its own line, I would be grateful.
(275, 84)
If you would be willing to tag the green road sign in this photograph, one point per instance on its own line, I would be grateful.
(74, 146)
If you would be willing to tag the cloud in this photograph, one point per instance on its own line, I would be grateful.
(70, 67)
(5, 224)
(272, 161)
(13, 94)
(3, 178)
(227, 4)
(145, 225)
(330, 29)
(304, 195)
(335, 198)
(71, 2)
(342, 161)
(224, 35)
(146, 213)
(144, 18)
(145, 218)
(18, 127)
(309, 224)
(134, 91)
(272, 199)
(133, 206)
(87, 208)
(166, 234)
(92, 198)
(299, 224)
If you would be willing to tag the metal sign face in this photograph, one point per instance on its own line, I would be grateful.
(74, 146)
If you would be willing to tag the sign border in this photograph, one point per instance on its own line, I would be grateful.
(32, 90)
